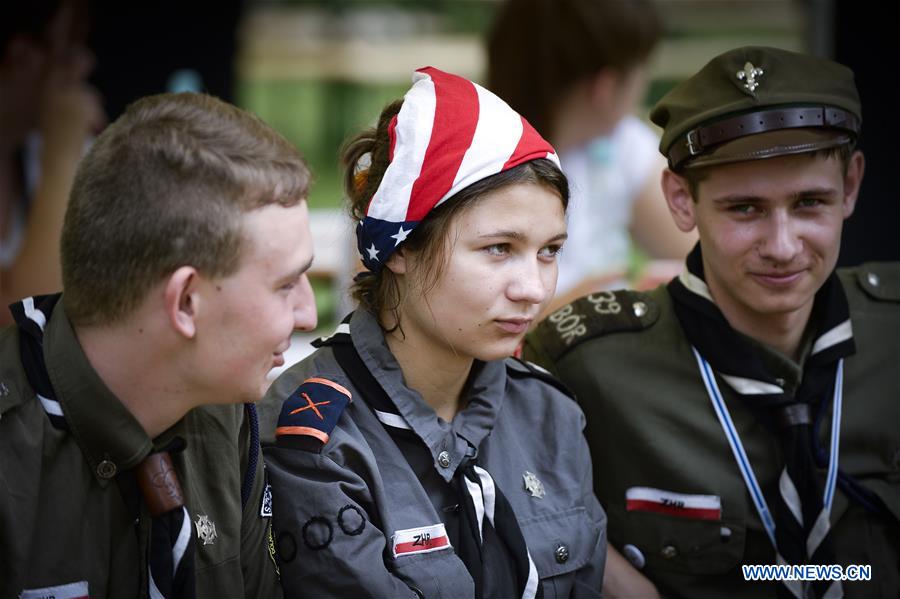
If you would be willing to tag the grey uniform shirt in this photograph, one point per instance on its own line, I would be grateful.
(336, 512)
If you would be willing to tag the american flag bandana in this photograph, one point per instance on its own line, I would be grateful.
(449, 134)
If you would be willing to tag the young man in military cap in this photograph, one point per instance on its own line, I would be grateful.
(746, 413)
(184, 249)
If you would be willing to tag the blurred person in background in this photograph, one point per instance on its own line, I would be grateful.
(576, 69)
(47, 114)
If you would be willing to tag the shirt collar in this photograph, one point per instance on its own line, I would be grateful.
(110, 438)
(485, 391)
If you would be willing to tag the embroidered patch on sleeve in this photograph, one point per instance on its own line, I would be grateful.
(696, 507)
(270, 545)
(423, 539)
(73, 590)
(312, 411)
(265, 508)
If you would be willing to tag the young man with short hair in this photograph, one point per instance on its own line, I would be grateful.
(130, 452)
(747, 412)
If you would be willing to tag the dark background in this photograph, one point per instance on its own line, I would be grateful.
(139, 46)
(863, 31)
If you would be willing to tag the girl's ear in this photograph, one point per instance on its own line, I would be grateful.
(397, 262)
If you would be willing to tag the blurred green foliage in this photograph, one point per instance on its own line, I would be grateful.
(318, 117)
(458, 16)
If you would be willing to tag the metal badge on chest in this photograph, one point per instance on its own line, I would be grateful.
(206, 529)
(533, 485)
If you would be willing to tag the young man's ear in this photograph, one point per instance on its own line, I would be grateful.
(856, 168)
(679, 199)
(182, 300)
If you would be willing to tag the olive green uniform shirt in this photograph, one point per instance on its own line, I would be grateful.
(650, 423)
(63, 518)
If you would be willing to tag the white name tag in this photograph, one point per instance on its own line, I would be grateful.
(424, 539)
(73, 590)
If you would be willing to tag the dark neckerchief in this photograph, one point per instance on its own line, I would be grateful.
(494, 553)
(730, 353)
(788, 414)
(706, 329)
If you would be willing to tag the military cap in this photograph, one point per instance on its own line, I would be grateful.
(757, 102)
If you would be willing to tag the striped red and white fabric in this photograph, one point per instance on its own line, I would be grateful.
(695, 507)
(449, 134)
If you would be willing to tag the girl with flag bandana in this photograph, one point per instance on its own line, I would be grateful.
(413, 458)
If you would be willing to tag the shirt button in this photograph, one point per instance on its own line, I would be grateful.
(444, 459)
(634, 555)
(106, 469)
(640, 308)
(873, 279)
(669, 552)
(561, 554)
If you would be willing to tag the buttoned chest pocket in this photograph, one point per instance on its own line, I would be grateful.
(560, 543)
(663, 542)
(435, 575)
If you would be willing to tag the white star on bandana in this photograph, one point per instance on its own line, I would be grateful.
(400, 236)
(373, 253)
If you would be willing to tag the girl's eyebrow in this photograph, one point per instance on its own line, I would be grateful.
(518, 236)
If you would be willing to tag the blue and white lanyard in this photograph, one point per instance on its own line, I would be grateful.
(740, 456)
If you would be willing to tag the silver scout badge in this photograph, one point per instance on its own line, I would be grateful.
(533, 485)
(206, 529)
(749, 75)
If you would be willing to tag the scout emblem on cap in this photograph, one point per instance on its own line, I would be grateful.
(533, 485)
(717, 117)
(206, 529)
(750, 73)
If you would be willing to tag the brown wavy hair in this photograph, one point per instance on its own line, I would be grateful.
(539, 49)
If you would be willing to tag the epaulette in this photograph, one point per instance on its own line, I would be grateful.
(880, 280)
(310, 414)
(518, 368)
(591, 316)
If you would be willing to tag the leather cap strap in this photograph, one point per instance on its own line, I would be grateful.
(697, 141)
